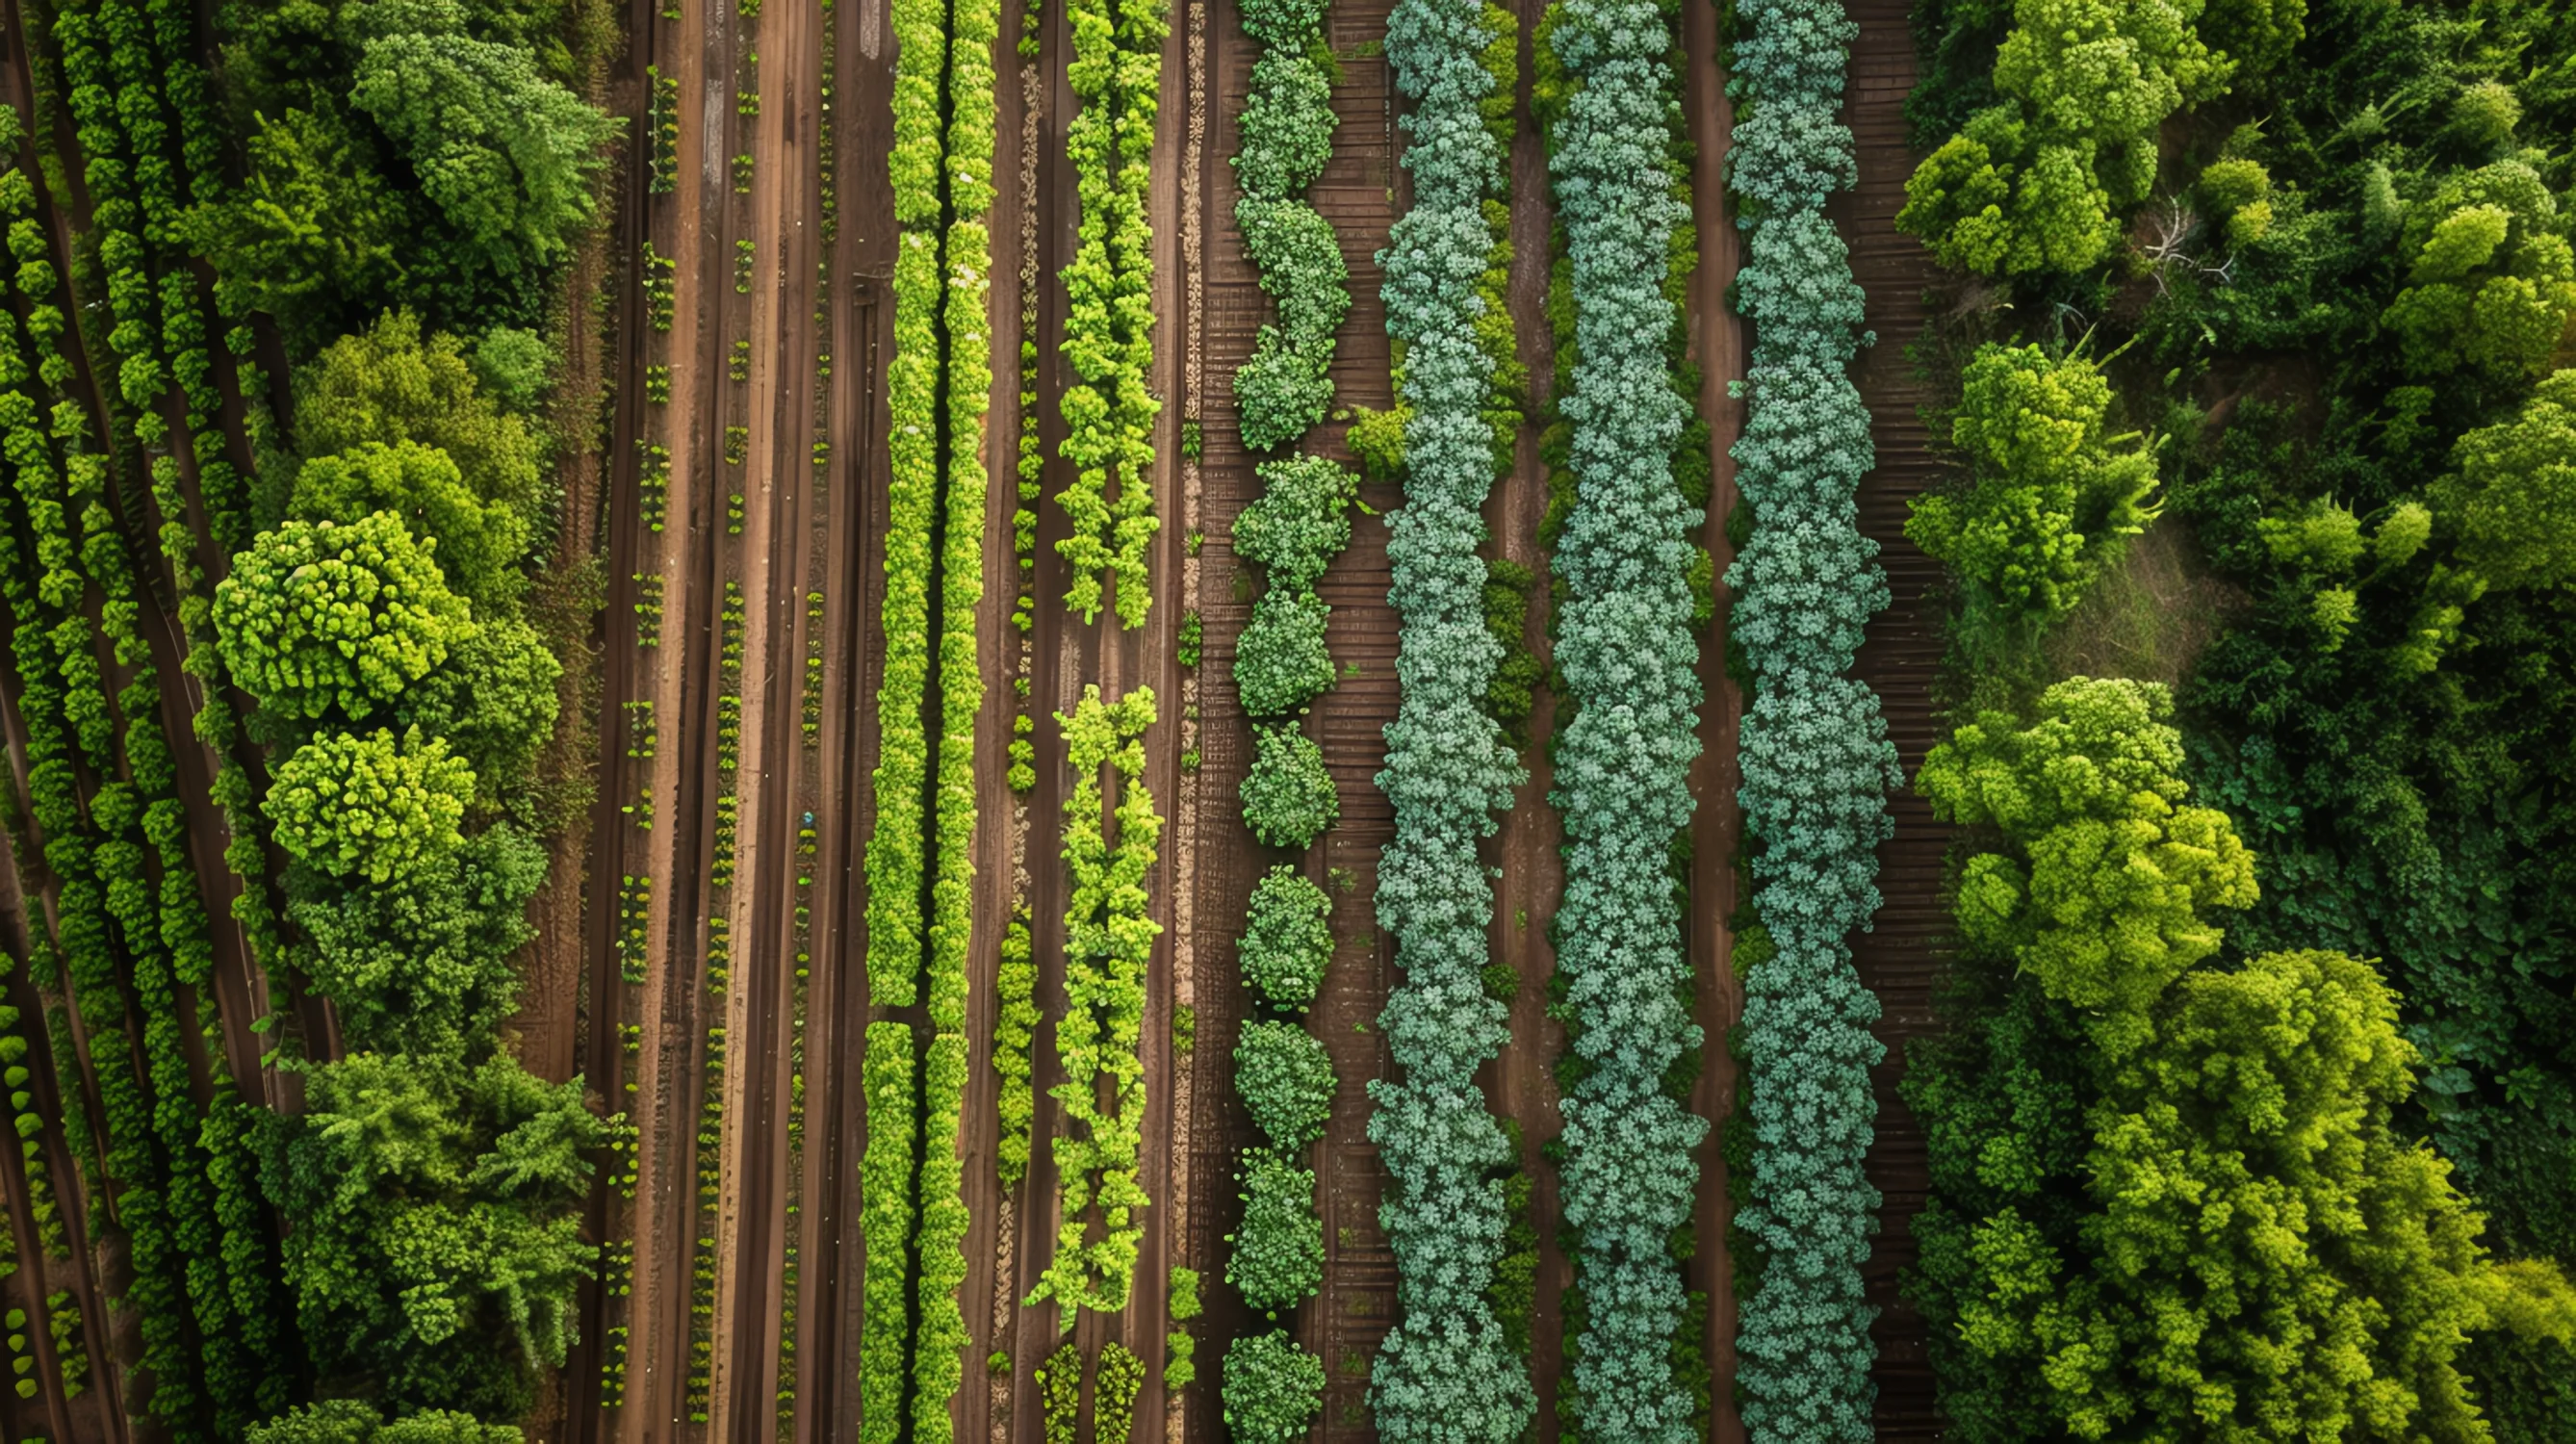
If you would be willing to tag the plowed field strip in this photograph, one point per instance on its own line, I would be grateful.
(1898, 958)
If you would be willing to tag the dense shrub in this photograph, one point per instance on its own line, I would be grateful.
(1299, 523)
(411, 1180)
(2038, 180)
(1271, 1389)
(1288, 797)
(2172, 1193)
(2049, 494)
(2512, 494)
(2492, 278)
(423, 966)
(1285, 136)
(1281, 662)
(1287, 939)
(1286, 1081)
(1444, 1371)
(1629, 660)
(1278, 1259)
(478, 544)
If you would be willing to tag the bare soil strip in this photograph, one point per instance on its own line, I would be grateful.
(1900, 660)
(1718, 345)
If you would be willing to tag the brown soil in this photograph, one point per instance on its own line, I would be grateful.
(1898, 957)
(1717, 344)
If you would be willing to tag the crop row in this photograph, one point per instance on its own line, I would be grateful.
(123, 881)
(1108, 408)
(1816, 762)
(1109, 939)
(1629, 658)
(1286, 132)
(1444, 1370)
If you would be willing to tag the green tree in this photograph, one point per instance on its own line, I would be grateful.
(2492, 281)
(313, 226)
(436, 1250)
(1286, 1081)
(390, 384)
(2511, 496)
(495, 704)
(2267, 1256)
(1287, 939)
(479, 543)
(506, 154)
(422, 964)
(318, 616)
(2099, 897)
(353, 1421)
(2037, 181)
(2050, 491)
(373, 806)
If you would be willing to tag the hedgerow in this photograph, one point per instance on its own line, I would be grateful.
(1285, 136)
(1445, 1371)
(1629, 660)
(1108, 410)
(1109, 940)
(1816, 763)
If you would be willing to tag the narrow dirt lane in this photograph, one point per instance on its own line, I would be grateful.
(1897, 959)
(1718, 345)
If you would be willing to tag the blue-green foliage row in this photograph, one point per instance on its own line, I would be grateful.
(1629, 658)
(1445, 1371)
(1286, 135)
(1816, 761)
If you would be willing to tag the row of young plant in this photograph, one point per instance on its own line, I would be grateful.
(1446, 1369)
(137, 94)
(1109, 940)
(920, 862)
(1271, 1386)
(1631, 588)
(129, 927)
(1108, 405)
(1114, 1386)
(1814, 754)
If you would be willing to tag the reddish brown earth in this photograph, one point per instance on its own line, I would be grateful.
(1898, 958)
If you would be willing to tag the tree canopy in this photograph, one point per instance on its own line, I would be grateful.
(372, 806)
(479, 543)
(325, 616)
(389, 383)
(2512, 493)
(431, 1247)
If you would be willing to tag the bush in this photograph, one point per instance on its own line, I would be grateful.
(2493, 280)
(1299, 523)
(1286, 1081)
(1278, 1260)
(2512, 492)
(1288, 797)
(1280, 660)
(478, 546)
(1272, 1387)
(1287, 940)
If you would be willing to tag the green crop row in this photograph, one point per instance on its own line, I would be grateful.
(1108, 409)
(1109, 939)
